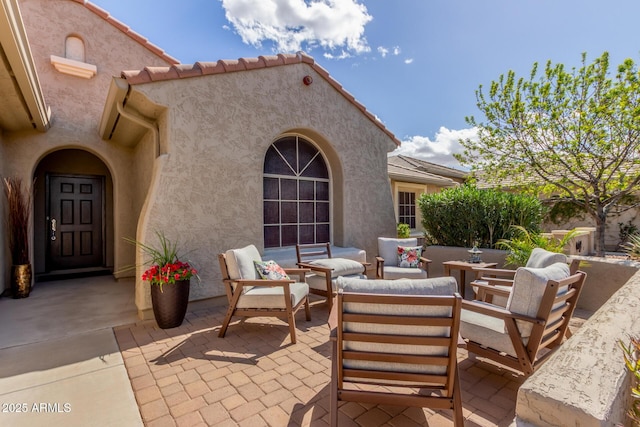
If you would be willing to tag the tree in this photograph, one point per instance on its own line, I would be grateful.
(574, 135)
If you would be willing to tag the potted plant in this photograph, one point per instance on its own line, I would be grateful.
(18, 221)
(169, 278)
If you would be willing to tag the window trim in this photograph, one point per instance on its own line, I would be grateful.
(298, 178)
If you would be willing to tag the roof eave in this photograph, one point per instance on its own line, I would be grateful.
(14, 42)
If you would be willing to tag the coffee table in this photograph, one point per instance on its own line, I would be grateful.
(463, 267)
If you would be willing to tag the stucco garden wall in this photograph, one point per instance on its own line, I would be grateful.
(585, 382)
(604, 276)
(218, 129)
(77, 103)
(612, 232)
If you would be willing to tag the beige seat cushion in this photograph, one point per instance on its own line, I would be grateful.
(540, 258)
(393, 272)
(272, 297)
(240, 263)
(339, 266)
(317, 281)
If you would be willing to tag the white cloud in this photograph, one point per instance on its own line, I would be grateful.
(396, 50)
(383, 51)
(440, 150)
(408, 61)
(293, 25)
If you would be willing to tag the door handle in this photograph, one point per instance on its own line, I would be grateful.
(53, 229)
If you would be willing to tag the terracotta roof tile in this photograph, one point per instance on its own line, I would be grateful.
(128, 31)
(211, 67)
(181, 71)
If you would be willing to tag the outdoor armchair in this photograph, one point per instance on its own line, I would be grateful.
(250, 295)
(502, 279)
(532, 325)
(389, 262)
(326, 269)
(395, 343)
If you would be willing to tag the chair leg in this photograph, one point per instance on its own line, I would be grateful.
(292, 325)
(327, 279)
(458, 419)
(225, 323)
(333, 392)
(307, 309)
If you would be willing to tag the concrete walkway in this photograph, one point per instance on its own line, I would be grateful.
(59, 361)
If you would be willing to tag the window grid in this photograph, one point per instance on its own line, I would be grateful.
(407, 208)
(300, 216)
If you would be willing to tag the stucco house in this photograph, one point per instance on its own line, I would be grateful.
(124, 141)
(410, 178)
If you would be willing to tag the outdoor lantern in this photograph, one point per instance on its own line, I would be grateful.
(475, 254)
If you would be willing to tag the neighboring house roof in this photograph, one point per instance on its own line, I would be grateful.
(422, 166)
(128, 31)
(183, 71)
(405, 174)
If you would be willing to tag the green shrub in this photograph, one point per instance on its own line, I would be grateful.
(523, 242)
(463, 215)
(632, 246)
(403, 231)
(631, 354)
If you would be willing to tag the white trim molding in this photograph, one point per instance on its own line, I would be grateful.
(73, 67)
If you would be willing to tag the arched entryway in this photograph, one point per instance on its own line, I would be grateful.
(73, 215)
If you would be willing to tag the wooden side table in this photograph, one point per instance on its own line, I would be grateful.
(463, 267)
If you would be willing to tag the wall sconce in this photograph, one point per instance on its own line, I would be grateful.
(307, 80)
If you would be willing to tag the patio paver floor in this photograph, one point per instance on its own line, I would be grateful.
(187, 376)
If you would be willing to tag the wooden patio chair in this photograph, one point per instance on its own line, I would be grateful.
(251, 296)
(395, 343)
(502, 279)
(387, 260)
(534, 323)
(326, 269)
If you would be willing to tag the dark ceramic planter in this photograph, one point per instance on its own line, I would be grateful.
(170, 304)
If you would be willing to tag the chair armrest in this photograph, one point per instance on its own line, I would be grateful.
(300, 272)
(498, 272)
(498, 312)
(260, 282)
(425, 263)
(379, 267)
(489, 289)
(492, 281)
(312, 267)
(486, 308)
(294, 270)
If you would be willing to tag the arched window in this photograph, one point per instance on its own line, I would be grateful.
(74, 48)
(295, 193)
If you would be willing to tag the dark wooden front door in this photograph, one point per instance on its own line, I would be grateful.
(75, 221)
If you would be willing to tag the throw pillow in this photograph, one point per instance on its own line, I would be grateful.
(270, 270)
(409, 256)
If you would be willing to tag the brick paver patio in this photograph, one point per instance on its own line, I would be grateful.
(187, 376)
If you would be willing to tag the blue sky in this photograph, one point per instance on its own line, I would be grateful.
(415, 64)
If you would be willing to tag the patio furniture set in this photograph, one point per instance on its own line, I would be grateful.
(397, 332)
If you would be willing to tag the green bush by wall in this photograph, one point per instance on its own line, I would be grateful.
(464, 215)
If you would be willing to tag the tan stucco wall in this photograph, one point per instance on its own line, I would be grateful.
(77, 104)
(612, 232)
(217, 131)
(5, 260)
